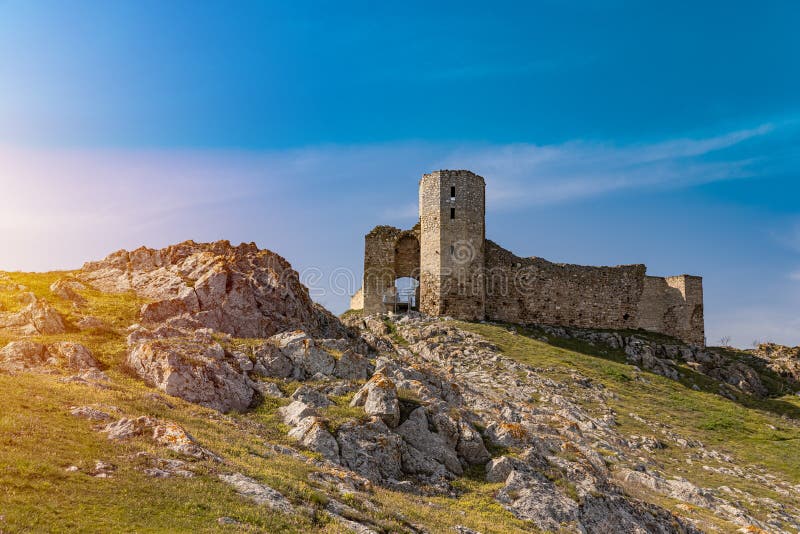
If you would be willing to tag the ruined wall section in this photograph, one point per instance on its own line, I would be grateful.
(389, 253)
(357, 300)
(534, 290)
(452, 236)
(464, 276)
(673, 306)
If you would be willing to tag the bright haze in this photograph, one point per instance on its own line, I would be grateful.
(608, 133)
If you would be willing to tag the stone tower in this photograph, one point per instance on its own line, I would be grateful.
(452, 208)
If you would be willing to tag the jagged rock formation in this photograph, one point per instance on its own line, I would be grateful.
(37, 318)
(241, 290)
(663, 358)
(783, 360)
(201, 290)
(410, 403)
(558, 477)
(20, 356)
(68, 290)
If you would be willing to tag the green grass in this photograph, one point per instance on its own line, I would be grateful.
(39, 439)
(352, 314)
(394, 333)
(341, 412)
(760, 432)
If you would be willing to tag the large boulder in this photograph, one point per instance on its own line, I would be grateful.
(470, 446)
(194, 370)
(23, 356)
(311, 433)
(498, 469)
(72, 355)
(353, 366)
(643, 354)
(239, 290)
(416, 432)
(44, 318)
(295, 412)
(533, 497)
(165, 433)
(270, 361)
(37, 318)
(261, 494)
(68, 290)
(307, 359)
(371, 450)
(311, 397)
(30, 356)
(379, 398)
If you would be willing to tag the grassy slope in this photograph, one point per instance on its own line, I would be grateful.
(39, 440)
(756, 432)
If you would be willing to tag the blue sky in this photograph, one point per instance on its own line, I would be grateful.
(609, 132)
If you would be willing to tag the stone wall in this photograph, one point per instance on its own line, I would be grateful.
(357, 300)
(534, 290)
(389, 253)
(452, 235)
(463, 275)
(673, 306)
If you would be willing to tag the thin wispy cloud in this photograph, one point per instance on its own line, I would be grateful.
(137, 193)
(537, 175)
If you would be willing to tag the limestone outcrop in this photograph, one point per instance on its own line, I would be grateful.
(36, 318)
(454, 382)
(663, 358)
(379, 399)
(203, 296)
(783, 360)
(21, 356)
(239, 290)
(208, 368)
(193, 370)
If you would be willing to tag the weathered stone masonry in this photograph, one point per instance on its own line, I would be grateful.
(463, 275)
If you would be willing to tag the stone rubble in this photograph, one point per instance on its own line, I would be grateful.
(165, 433)
(259, 493)
(30, 356)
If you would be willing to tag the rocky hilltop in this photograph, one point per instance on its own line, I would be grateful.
(241, 291)
(201, 377)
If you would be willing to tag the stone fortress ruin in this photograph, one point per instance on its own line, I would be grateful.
(461, 274)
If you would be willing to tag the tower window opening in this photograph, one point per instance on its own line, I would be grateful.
(452, 249)
(452, 213)
(452, 192)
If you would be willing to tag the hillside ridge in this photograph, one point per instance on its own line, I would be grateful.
(200, 386)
